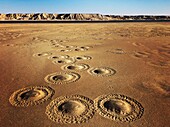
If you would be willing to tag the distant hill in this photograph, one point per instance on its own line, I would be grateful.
(76, 17)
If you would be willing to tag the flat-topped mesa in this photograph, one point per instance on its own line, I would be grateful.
(84, 17)
(76, 17)
(28, 16)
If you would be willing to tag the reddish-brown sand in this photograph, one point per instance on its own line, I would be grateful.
(139, 53)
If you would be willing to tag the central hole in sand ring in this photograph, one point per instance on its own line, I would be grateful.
(77, 49)
(59, 77)
(118, 106)
(29, 94)
(60, 61)
(71, 67)
(55, 57)
(98, 71)
(62, 50)
(39, 54)
(42, 54)
(73, 108)
(79, 58)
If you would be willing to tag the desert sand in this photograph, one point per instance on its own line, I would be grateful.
(85, 75)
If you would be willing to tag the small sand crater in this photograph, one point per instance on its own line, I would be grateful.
(101, 71)
(70, 109)
(76, 67)
(53, 57)
(31, 96)
(65, 50)
(64, 61)
(62, 46)
(79, 58)
(70, 46)
(58, 57)
(62, 78)
(43, 54)
(10, 45)
(86, 47)
(80, 49)
(118, 107)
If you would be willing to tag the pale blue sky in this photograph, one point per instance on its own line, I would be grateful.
(116, 7)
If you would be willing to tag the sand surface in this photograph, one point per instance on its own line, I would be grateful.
(83, 64)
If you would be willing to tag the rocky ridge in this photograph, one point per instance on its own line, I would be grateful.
(75, 17)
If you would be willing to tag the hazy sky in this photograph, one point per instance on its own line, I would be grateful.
(119, 7)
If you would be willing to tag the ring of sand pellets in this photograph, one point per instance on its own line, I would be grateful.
(58, 57)
(79, 58)
(62, 46)
(101, 71)
(65, 50)
(80, 49)
(64, 61)
(54, 44)
(70, 109)
(43, 54)
(70, 46)
(118, 107)
(86, 47)
(30, 96)
(75, 67)
(62, 78)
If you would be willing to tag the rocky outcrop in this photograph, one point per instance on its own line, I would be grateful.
(76, 17)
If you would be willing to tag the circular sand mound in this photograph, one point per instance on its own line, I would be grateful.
(31, 96)
(64, 61)
(70, 109)
(118, 107)
(76, 67)
(70, 46)
(65, 50)
(43, 54)
(83, 58)
(80, 49)
(54, 57)
(101, 71)
(62, 78)
(86, 47)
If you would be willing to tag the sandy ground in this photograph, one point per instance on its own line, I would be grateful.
(139, 54)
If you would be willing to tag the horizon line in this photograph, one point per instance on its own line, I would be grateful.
(87, 13)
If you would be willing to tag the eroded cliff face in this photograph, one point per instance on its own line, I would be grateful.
(77, 17)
